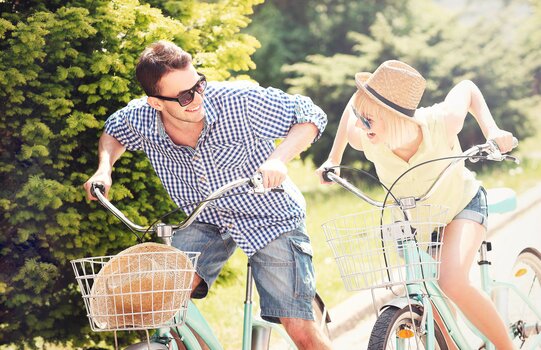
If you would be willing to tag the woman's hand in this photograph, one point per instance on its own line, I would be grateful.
(504, 139)
(328, 164)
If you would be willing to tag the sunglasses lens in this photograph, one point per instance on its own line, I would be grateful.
(201, 86)
(363, 120)
(366, 123)
(186, 98)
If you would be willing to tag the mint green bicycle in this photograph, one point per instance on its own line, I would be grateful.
(398, 247)
(153, 292)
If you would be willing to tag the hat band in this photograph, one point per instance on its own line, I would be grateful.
(408, 112)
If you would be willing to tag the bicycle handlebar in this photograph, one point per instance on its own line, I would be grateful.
(490, 148)
(162, 230)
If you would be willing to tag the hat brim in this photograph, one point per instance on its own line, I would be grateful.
(360, 81)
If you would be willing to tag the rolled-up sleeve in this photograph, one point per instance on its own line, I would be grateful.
(118, 126)
(273, 112)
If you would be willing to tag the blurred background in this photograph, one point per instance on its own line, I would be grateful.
(66, 65)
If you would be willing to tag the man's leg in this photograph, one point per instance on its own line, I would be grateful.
(284, 276)
(215, 250)
(306, 334)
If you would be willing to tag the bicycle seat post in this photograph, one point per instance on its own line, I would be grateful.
(247, 334)
(484, 265)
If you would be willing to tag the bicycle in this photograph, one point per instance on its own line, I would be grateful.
(399, 244)
(188, 329)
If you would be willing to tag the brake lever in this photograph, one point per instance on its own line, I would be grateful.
(512, 158)
(493, 153)
(256, 184)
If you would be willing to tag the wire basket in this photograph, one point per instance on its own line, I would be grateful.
(142, 287)
(381, 248)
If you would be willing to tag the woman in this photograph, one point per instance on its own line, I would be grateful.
(382, 120)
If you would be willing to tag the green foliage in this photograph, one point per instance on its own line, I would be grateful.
(64, 67)
(442, 47)
(289, 31)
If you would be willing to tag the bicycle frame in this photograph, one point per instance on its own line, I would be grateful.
(194, 321)
(427, 293)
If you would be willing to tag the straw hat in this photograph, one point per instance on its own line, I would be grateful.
(395, 86)
(143, 286)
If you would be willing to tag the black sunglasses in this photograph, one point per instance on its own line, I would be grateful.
(367, 123)
(186, 97)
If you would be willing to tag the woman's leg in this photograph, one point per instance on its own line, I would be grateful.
(461, 242)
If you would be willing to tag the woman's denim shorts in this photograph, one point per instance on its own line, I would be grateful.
(283, 270)
(477, 209)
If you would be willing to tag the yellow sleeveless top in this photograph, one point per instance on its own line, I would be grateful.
(456, 190)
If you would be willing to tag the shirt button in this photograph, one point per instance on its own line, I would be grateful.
(196, 158)
(230, 225)
(202, 179)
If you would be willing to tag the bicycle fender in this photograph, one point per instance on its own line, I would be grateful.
(196, 322)
(145, 346)
(400, 303)
(188, 338)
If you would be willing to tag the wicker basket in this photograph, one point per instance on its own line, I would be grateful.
(381, 248)
(142, 287)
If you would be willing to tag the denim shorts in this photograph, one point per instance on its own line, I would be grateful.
(283, 270)
(477, 209)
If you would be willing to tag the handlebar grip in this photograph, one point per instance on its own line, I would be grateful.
(100, 187)
(326, 172)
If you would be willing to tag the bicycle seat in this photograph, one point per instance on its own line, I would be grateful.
(501, 200)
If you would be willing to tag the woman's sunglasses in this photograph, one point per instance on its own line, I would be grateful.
(186, 97)
(366, 122)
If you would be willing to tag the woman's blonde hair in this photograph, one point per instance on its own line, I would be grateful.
(398, 130)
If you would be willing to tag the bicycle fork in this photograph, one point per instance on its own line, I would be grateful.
(499, 292)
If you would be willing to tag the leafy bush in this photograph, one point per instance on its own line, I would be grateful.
(64, 67)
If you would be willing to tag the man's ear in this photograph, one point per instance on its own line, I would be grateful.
(155, 103)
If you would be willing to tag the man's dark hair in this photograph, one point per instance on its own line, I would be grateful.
(157, 60)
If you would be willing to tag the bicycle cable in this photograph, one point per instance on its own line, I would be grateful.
(140, 239)
(480, 157)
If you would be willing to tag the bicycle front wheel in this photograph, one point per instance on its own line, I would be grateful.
(527, 278)
(400, 329)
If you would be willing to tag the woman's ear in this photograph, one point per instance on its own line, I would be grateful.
(155, 103)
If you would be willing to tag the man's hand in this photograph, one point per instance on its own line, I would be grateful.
(274, 172)
(102, 178)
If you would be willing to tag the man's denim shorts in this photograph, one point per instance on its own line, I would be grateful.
(477, 209)
(283, 270)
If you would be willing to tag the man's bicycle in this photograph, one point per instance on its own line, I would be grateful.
(148, 286)
(398, 247)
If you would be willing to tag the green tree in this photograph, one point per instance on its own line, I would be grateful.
(527, 46)
(441, 47)
(64, 67)
(289, 31)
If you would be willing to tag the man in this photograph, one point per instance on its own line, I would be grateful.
(201, 137)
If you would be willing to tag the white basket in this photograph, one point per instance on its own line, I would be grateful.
(370, 247)
(146, 289)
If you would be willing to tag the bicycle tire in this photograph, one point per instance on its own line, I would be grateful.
(383, 334)
(527, 278)
(321, 315)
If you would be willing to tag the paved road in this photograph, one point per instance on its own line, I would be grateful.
(508, 240)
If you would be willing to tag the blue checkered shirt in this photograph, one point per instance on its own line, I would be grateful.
(242, 122)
